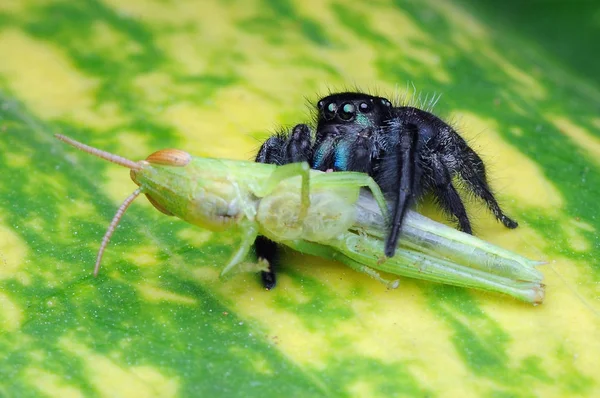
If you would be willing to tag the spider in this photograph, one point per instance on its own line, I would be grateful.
(409, 152)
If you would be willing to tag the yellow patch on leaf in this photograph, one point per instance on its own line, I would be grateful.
(586, 141)
(125, 381)
(13, 254)
(38, 87)
(195, 236)
(565, 306)
(143, 256)
(197, 125)
(155, 294)
(53, 384)
(11, 315)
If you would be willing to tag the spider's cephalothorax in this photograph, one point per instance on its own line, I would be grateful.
(408, 151)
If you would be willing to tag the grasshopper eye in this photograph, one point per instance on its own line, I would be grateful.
(158, 206)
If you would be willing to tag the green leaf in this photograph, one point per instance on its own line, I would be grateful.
(214, 79)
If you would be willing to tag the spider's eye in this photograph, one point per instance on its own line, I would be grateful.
(329, 111)
(320, 104)
(365, 107)
(347, 112)
(386, 103)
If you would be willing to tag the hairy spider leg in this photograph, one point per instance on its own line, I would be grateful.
(472, 171)
(447, 196)
(272, 150)
(267, 250)
(446, 154)
(299, 145)
(283, 148)
(406, 152)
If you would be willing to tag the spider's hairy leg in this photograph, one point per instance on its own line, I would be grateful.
(281, 148)
(447, 196)
(287, 147)
(271, 151)
(406, 156)
(298, 147)
(472, 171)
(267, 250)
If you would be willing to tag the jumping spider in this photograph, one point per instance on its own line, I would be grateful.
(409, 152)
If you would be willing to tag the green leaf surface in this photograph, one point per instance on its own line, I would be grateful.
(215, 79)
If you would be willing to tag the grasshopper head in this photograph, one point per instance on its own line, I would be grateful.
(196, 190)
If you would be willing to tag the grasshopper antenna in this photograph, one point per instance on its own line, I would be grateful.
(112, 226)
(121, 161)
(111, 157)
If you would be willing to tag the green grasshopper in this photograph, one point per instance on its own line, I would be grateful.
(324, 214)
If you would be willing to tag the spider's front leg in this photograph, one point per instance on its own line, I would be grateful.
(280, 149)
(401, 162)
(287, 147)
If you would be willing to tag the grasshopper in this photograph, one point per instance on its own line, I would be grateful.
(330, 215)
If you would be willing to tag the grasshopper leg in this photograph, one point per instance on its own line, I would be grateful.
(250, 231)
(283, 173)
(317, 249)
(353, 179)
